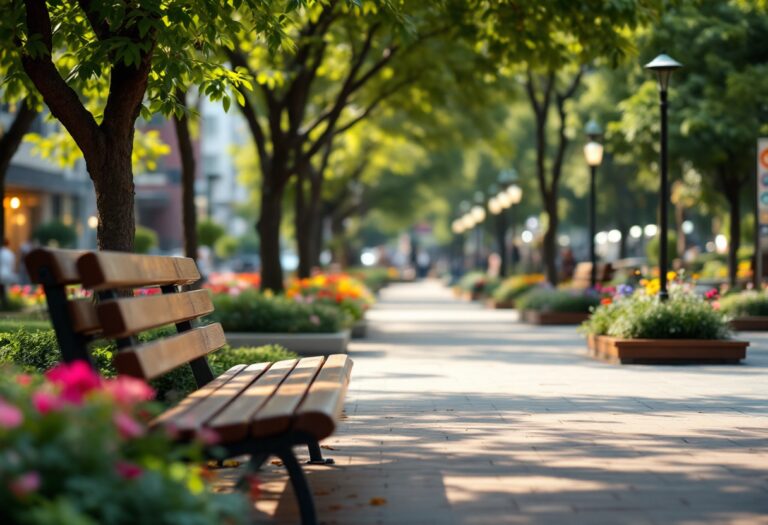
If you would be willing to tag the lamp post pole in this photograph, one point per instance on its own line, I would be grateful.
(592, 226)
(664, 196)
(663, 65)
(593, 153)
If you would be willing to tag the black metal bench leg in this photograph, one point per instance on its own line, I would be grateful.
(257, 461)
(300, 487)
(316, 455)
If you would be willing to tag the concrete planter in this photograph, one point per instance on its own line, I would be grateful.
(360, 329)
(750, 323)
(553, 318)
(629, 351)
(302, 344)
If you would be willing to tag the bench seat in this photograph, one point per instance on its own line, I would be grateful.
(266, 400)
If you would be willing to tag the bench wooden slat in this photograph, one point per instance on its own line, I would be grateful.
(324, 402)
(155, 358)
(196, 397)
(84, 318)
(104, 270)
(277, 414)
(61, 263)
(234, 421)
(131, 315)
(196, 417)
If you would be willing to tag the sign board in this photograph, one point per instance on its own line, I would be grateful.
(762, 201)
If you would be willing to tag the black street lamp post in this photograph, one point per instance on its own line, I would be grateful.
(593, 153)
(663, 65)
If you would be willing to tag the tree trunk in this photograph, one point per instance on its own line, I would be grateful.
(680, 244)
(550, 238)
(112, 177)
(734, 203)
(303, 229)
(317, 224)
(268, 228)
(189, 211)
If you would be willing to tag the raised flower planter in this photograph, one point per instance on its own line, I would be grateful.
(630, 351)
(499, 305)
(752, 323)
(546, 306)
(637, 327)
(748, 310)
(302, 344)
(360, 329)
(553, 318)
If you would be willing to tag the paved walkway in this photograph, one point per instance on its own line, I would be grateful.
(460, 415)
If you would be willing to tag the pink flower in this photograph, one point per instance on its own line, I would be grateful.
(315, 320)
(75, 379)
(208, 436)
(128, 391)
(711, 294)
(24, 379)
(24, 484)
(128, 470)
(45, 402)
(128, 427)
(10, 415)
(715, 305)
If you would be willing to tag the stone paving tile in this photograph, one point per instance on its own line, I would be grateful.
(460, 415)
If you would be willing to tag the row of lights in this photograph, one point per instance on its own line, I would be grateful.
(505, 199)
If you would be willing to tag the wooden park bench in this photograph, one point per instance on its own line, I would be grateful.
(582, 275)
(260, 409)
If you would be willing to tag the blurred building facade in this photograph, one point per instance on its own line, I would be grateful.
(39, 191)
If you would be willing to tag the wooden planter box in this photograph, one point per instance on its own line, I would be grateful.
(302, 344)
(553, 318)
(359, 329)
(751, 323)
(499, 305)
(628, 351)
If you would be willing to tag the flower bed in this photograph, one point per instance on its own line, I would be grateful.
(340, 290)
(636, 326)
(551, 306)
(747, 310)
(253, 311)
(476, 285)
(76, 448)
(512, 288)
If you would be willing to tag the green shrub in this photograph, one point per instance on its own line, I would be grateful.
(13, 303)
(514, 287)
(684, 315)
(208, 232)
(56, 234)
(225, 247)
(652, 248)
(144, 240)
(36, 350)
(252, 311)
(749, 303)
(478, 283)
(550, 300)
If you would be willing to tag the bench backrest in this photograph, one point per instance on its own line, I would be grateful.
(122, 316)
(582, 274)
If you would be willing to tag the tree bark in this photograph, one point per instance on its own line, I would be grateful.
(188, 166)
(302, 214)
(268, 228)
(112, 177)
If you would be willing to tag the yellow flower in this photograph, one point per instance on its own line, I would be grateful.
(268, 293)
(671, 276)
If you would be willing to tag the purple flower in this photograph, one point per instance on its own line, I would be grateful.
(624, 289)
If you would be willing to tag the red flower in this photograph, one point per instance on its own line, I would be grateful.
(127, 426)
(128, 470)
(128, 391)
(75, 379)
(606, 300)
(10, 416)
(45, 402)
(24, 484)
